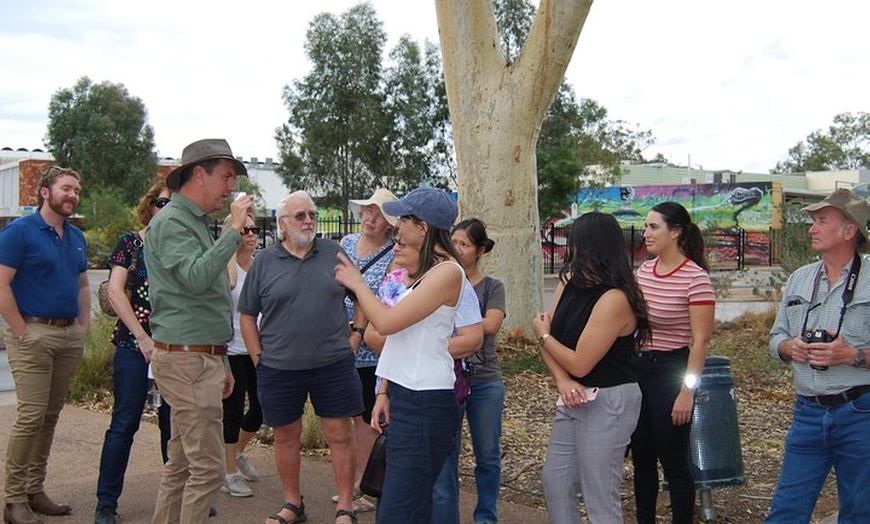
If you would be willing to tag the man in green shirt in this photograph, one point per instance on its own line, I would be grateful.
(191, 324)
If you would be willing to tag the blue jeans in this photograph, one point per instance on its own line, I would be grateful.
(419, 437)
(445, 492)
(484, 412)
(822, 437)
(131, 386)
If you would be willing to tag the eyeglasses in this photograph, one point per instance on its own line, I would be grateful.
(160, 202)
(248, 230)
(300, 216)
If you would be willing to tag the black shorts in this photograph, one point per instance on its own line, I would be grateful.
(334, 389)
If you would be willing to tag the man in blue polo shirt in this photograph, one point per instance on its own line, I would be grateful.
(45, 300)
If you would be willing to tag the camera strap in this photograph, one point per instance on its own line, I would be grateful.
(848, 292)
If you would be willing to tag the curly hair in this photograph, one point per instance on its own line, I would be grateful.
(144, 210)
(47, 178)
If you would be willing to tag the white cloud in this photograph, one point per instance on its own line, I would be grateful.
(731, 84)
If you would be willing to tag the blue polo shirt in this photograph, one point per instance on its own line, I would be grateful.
(47, 267)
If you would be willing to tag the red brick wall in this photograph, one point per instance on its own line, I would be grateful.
(30, 171)
(28, 178)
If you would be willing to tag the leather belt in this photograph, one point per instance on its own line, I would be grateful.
(838, 398)
(56, 322)
(219, 350)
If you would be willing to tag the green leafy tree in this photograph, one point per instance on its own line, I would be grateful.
(101, 131)
(845, 145)
(514, 21)
(417, 118)
(356, 125)
(580, 147)
(332, 138)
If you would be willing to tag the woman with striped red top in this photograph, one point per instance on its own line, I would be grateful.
(681, 303)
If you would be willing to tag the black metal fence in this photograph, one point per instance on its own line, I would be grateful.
(725, 249)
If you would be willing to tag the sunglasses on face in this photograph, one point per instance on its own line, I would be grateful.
(300, 216)
(251, 230)
(160, 202)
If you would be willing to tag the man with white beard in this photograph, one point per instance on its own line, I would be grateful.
(301, 347)
(45, 300)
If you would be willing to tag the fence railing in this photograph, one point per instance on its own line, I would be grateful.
(725, 249)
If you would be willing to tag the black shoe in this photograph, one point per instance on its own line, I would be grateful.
(212, 511)
(105, 516)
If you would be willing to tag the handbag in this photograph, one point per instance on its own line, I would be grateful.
(372, 481)
(461, 386)
(103, 288)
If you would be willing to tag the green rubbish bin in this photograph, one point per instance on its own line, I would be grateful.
(714, 442)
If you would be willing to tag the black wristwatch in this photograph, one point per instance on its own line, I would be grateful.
(861, 359)
(354, 329)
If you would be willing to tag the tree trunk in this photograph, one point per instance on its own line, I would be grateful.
(496, 109)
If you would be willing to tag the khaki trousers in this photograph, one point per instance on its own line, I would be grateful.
(192, 384)
(42, 365)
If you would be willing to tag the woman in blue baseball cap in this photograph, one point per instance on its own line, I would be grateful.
(416, 394)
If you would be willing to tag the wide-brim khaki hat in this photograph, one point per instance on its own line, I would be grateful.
(200, 151)
(379, 197)
(851, 205)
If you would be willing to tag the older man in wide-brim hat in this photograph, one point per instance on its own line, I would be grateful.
(191, 323)
(821, 329)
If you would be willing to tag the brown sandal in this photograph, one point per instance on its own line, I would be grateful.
(299, 511)
(346, 513)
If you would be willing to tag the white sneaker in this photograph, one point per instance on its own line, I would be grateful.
(364, 504)
(236, 486)
(246, 468)
(356, 495)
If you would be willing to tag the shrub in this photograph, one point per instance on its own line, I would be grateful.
(93, 377)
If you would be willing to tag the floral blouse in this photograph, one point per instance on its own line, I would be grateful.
(373, 276)
(129, 244)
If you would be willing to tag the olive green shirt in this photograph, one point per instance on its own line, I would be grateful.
(187, 273)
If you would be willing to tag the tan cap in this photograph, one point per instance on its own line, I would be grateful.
(852, 206)
(379, 197)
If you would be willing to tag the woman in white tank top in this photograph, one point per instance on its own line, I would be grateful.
(416, 396)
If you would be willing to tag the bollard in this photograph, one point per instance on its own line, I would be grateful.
(715, 454)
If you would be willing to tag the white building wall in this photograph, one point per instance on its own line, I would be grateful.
(9, 189)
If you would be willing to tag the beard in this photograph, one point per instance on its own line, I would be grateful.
(300, 238)
(56, 204)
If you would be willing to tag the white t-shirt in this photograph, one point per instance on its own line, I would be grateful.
(416, 357)
(236, 346)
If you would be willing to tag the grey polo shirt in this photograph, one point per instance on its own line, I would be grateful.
(303, 324)
(189, 287)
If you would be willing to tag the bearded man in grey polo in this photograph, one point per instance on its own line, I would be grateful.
(301, 347)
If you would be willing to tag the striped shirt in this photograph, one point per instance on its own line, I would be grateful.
(668, 298)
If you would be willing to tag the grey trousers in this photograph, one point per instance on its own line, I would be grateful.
(586, 454)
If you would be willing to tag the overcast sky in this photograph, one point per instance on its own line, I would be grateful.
(725, 85)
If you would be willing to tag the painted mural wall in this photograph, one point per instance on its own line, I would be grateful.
(720, 210)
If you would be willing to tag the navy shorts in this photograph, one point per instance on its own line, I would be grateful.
(334, 389)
